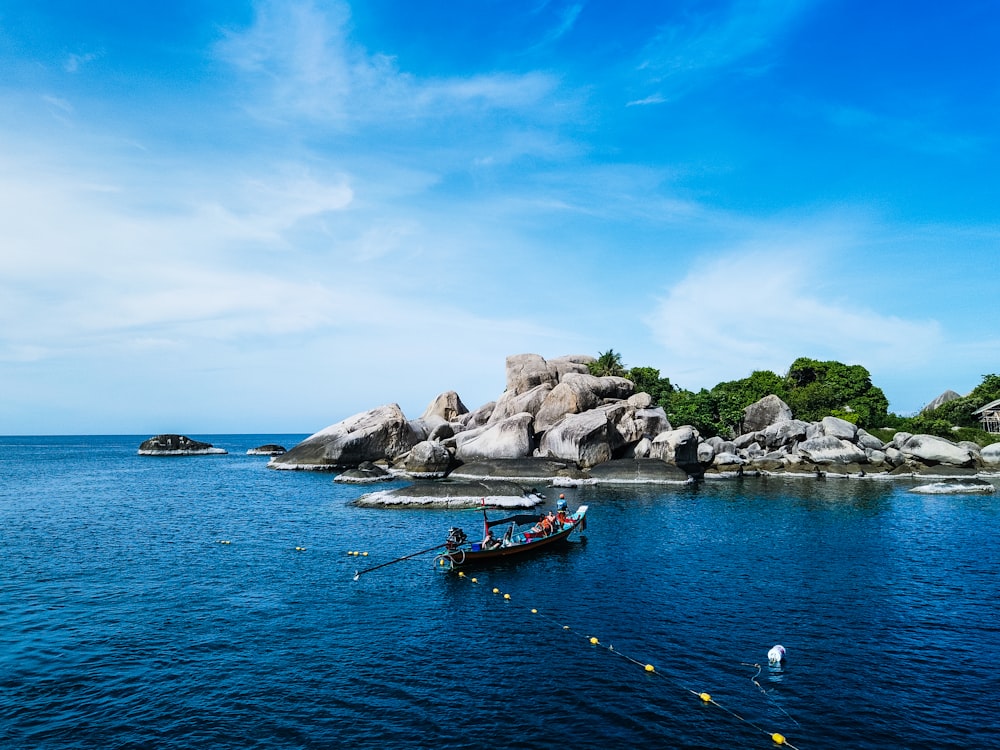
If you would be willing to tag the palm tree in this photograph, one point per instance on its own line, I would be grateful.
(608, 363)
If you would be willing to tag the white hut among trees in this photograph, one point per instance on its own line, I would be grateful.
(989, 415)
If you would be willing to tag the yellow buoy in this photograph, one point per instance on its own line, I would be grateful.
(350, 552)
(461, 574)
(594, 641)
(534, 611)
(496, 591)
(475, 580)
(649, 668)
(364, 554)
(506, 596)
(441, 561)
(565, 627)
(778, 739)
(705, 697)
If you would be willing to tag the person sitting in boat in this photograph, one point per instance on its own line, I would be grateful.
(508, 536)
(544, 525)
(490, 541)
(553, 521)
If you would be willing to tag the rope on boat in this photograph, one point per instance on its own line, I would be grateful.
(776, 737)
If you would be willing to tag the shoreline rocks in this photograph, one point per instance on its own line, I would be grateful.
(556, 422)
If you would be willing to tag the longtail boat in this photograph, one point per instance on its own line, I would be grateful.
(523, 534)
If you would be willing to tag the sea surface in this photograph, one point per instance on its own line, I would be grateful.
(208, 602)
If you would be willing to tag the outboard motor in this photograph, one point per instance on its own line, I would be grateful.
(456, 538)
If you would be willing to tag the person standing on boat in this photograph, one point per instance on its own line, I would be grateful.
(562, 515)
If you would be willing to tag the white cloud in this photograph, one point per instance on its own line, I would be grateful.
(310, 68)
(75, 61)
(760, 308)
(683, 55)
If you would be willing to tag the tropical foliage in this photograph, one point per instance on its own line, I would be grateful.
(608, 363)
(813, 389)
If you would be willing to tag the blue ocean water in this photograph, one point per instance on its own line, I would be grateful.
(126, 623)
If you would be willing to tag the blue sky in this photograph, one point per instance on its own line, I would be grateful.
(267, 216)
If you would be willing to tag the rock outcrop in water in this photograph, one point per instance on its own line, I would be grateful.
(176, 445)
(574, 427)
(266, 450)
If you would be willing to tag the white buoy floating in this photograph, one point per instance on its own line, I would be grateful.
(776, 655)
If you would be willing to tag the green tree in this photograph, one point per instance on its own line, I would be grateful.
(699, 410)
(734, 396)
(608, 363)
(648, 380)
(816, 389)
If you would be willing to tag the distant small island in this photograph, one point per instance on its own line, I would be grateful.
(177, 445)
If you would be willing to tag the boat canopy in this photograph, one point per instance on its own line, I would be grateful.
(521, 519)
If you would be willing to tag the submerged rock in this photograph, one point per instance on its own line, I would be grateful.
(638, 471)
(177, 445)
(956, 487)
(366, 473)
(448, 494)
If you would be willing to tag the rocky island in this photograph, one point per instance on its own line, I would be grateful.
(177, 445)
(556, 423)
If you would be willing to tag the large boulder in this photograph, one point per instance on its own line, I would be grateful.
(570, 363)
(478, 417)
(839, 428)
(630, 425)
(577, 393)
(747, 439)
(447, 407)
(706, 454)
(379, 434)
(899, 439)
(763, 413)
(584, 438)
(641, 400)
(868, 441)
(933, 450)
(428, 460)
(679, 447)
(786, 432)
(511, 403)
(990, 455)
(512, 437)
(832, 450)
(526, 371)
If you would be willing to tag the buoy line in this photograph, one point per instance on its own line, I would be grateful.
(776, 737)
(767, 694)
